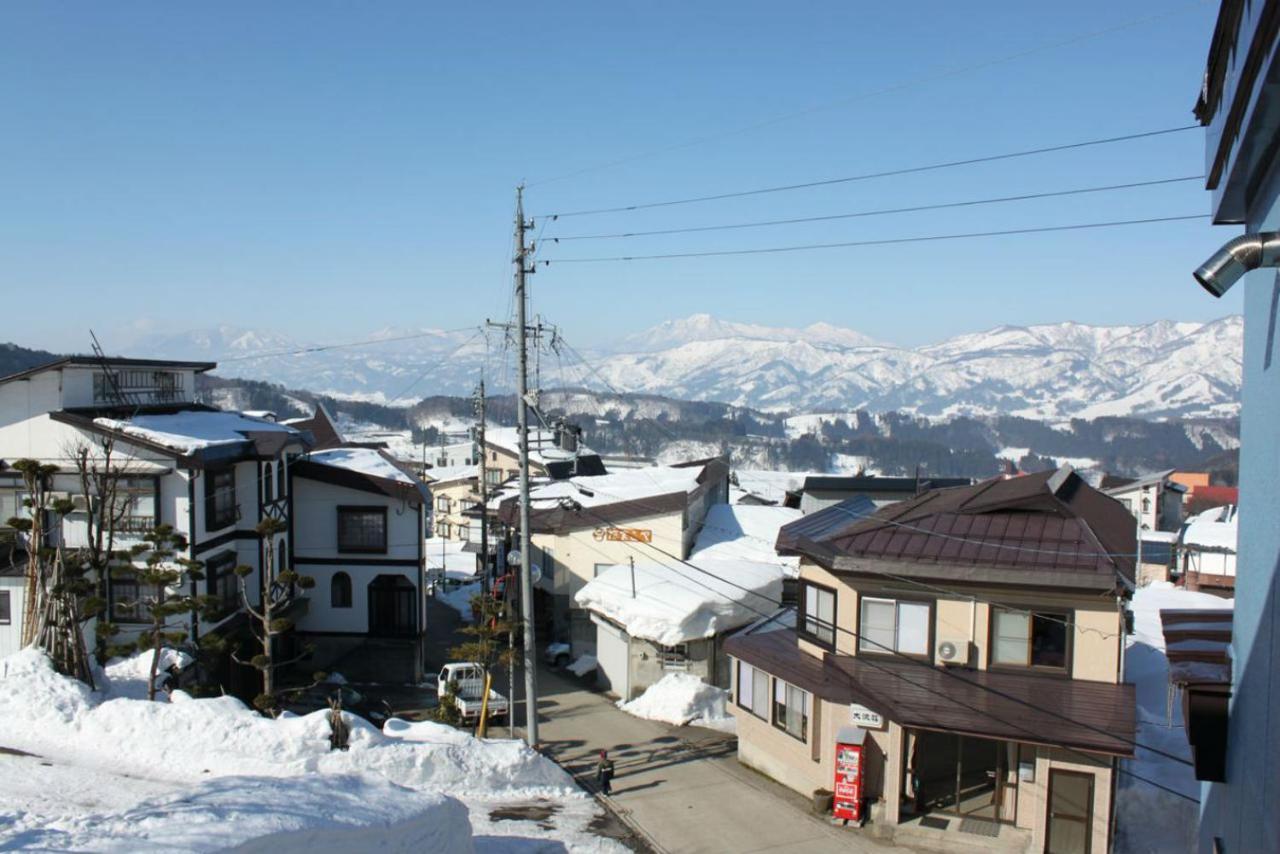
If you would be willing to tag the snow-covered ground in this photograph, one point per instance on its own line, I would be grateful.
(680, 699)
(1150, 820)
(103, 771)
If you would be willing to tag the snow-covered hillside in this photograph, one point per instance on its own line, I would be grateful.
(1049, 372)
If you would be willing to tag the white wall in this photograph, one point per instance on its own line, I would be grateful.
(315, 524)
(11, 634)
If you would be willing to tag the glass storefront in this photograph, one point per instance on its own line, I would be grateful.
(960, 775)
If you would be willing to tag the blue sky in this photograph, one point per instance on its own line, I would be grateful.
(329, 169)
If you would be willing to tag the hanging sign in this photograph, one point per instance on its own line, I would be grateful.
(623, 535)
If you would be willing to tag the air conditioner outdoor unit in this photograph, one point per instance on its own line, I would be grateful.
(959, 652)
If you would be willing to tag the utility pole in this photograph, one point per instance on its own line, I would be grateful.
(522, 430)
(484, 485)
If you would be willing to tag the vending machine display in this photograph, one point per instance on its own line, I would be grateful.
(848, 789)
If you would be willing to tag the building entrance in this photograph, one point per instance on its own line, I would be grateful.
(961, 775)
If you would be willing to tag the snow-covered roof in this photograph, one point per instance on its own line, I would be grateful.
(367, 461)
(1215, 529)
(770, 485)
(448, 474)
(745, 532)
(193, 430)
(601, 490)
(543, 449)
(676, 603)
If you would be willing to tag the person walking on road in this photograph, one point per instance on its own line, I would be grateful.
(604, 772)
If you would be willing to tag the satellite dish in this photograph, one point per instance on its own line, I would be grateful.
(535, 574)
(513, 557)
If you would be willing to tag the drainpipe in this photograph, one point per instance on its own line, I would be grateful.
(1237, 257)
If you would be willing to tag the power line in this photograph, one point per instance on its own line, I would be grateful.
(435, 364)
(885, 242)
(266, 354)
(866, 176)
(1071, 624)
(878, 212)
(578, 508)
(943, 74)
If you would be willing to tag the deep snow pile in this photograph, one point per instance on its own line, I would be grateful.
(1148, 819)
(680, 699)
(287, 779)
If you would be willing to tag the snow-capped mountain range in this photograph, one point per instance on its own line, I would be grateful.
(1047, 372)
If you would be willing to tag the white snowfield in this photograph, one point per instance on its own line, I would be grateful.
(196, 429)
(126, 774)
(362, 461)
(680, 699)
(672, 604)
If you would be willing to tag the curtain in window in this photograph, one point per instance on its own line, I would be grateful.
(878, 627)
(1012, 634)
(913, 628)
(745, 684)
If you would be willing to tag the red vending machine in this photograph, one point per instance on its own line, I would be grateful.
(847, 803)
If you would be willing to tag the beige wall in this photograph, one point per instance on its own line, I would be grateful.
(1096, 640)
(456, 492)
(1033, 796)
(576, 553)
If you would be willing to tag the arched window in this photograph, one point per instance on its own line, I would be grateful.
(268, 490)
(340, 590)
(282, 562)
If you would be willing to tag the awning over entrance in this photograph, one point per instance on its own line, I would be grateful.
(1090, 716)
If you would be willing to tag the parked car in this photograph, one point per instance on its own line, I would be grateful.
(557, 655)
(312, 698)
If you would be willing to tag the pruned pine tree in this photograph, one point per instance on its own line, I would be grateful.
(488, 642)
(59, 621)
(36, 480)
(163, 578)
(281, 588)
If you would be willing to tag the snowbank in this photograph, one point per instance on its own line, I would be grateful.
(672, 604)
(459, 599)
(680, 699)
(318, 814)
(1150, 820)
(219, 763)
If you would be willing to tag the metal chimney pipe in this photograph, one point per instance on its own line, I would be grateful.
(1237, 257)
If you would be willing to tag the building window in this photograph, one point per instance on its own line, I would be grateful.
(362, 529)
(223, 583)
(818, 615)
(135, 503)
(674, 658)
(889, 626)
(219, 498)
(442, 504)
(340, 590)
(127, 600)
(268, 482)
(282, 557)
(1022, 639)
(790, 709)
(753, 690)
(493, 477)
(136, 386)
(6, 608)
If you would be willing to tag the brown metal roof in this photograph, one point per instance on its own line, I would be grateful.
(1097, 717)
(1198, 645)
(1047, 524)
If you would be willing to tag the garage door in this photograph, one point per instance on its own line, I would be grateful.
(612, 658)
